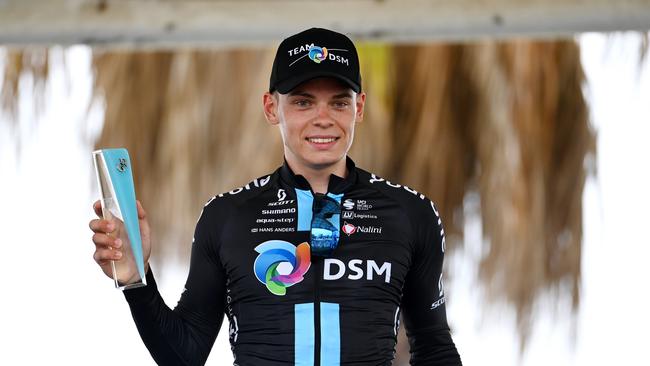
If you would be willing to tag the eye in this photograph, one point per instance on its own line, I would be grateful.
(302, 103)
(341, 104)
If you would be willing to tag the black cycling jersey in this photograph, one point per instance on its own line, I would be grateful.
(251, 259)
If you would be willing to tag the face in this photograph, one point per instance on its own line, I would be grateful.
(316, 120)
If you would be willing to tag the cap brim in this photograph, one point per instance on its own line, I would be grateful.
(289, 84)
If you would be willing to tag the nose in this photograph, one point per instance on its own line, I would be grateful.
(323, 117)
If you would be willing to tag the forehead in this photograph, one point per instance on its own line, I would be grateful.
(323, 85)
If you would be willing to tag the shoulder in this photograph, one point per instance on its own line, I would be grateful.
(415, 204)
(420, 210)
(226, 203)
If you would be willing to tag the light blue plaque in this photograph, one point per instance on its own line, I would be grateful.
(115, 179)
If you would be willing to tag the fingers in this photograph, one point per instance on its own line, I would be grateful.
(97, 206)
(142, 216)
(141, 212)
(101, 226)
(101, 239)
(103, 255)
(107, 248)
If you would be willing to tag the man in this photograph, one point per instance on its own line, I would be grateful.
(314, 263)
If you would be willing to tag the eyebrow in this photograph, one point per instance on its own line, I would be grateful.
(343, 95)
(301, 93)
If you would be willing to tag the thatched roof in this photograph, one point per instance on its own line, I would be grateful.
(505, 119)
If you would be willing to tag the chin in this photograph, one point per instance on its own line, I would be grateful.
(323, 161)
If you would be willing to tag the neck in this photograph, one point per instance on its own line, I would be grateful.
(318, 177)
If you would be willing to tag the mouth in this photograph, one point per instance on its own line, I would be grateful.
(322, 140)
(322, 143)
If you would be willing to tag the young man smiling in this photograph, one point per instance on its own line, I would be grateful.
(314, 263)
(316, 120)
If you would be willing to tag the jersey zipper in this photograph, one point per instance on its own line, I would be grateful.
(318, 263)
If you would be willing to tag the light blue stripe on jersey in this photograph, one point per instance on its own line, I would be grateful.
(305, 203)
(335, 197)
(330, 335)
(304, 338)
(336, 218)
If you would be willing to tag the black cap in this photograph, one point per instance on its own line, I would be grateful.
(314, 53)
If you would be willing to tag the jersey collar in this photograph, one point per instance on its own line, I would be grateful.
(336, 184)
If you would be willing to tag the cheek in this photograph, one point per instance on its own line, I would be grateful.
(350, 134)
(291, 128)
(290, 131)
(285, 128)
(349, 124)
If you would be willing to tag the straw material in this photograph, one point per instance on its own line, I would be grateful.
(507, 120)
(30, 66)
(193, 124)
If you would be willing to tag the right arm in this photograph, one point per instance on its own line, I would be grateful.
(185, 335)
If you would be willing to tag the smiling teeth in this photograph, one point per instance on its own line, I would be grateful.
(321, 140)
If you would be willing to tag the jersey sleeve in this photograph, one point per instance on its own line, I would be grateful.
(423, 299)
(185, 335)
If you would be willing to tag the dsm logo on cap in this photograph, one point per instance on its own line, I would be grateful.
(319, 54)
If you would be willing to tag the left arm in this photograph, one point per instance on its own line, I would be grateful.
(423, 299)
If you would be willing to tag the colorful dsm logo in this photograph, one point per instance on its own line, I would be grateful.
(281, 264)
(317, 54)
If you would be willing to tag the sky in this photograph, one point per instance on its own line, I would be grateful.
(58, 307)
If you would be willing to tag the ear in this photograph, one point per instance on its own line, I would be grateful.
(361, 103)
(270, 102)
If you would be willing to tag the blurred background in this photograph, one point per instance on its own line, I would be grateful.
(526, 122)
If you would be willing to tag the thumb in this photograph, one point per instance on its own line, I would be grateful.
(142, 214)
(97, 207)
(142, 217)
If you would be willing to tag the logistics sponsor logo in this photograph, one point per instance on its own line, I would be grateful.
(354, 215)
(364, 216)
(334, 269)
(280, 264)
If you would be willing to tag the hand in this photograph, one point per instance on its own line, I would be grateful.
(109, 237)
